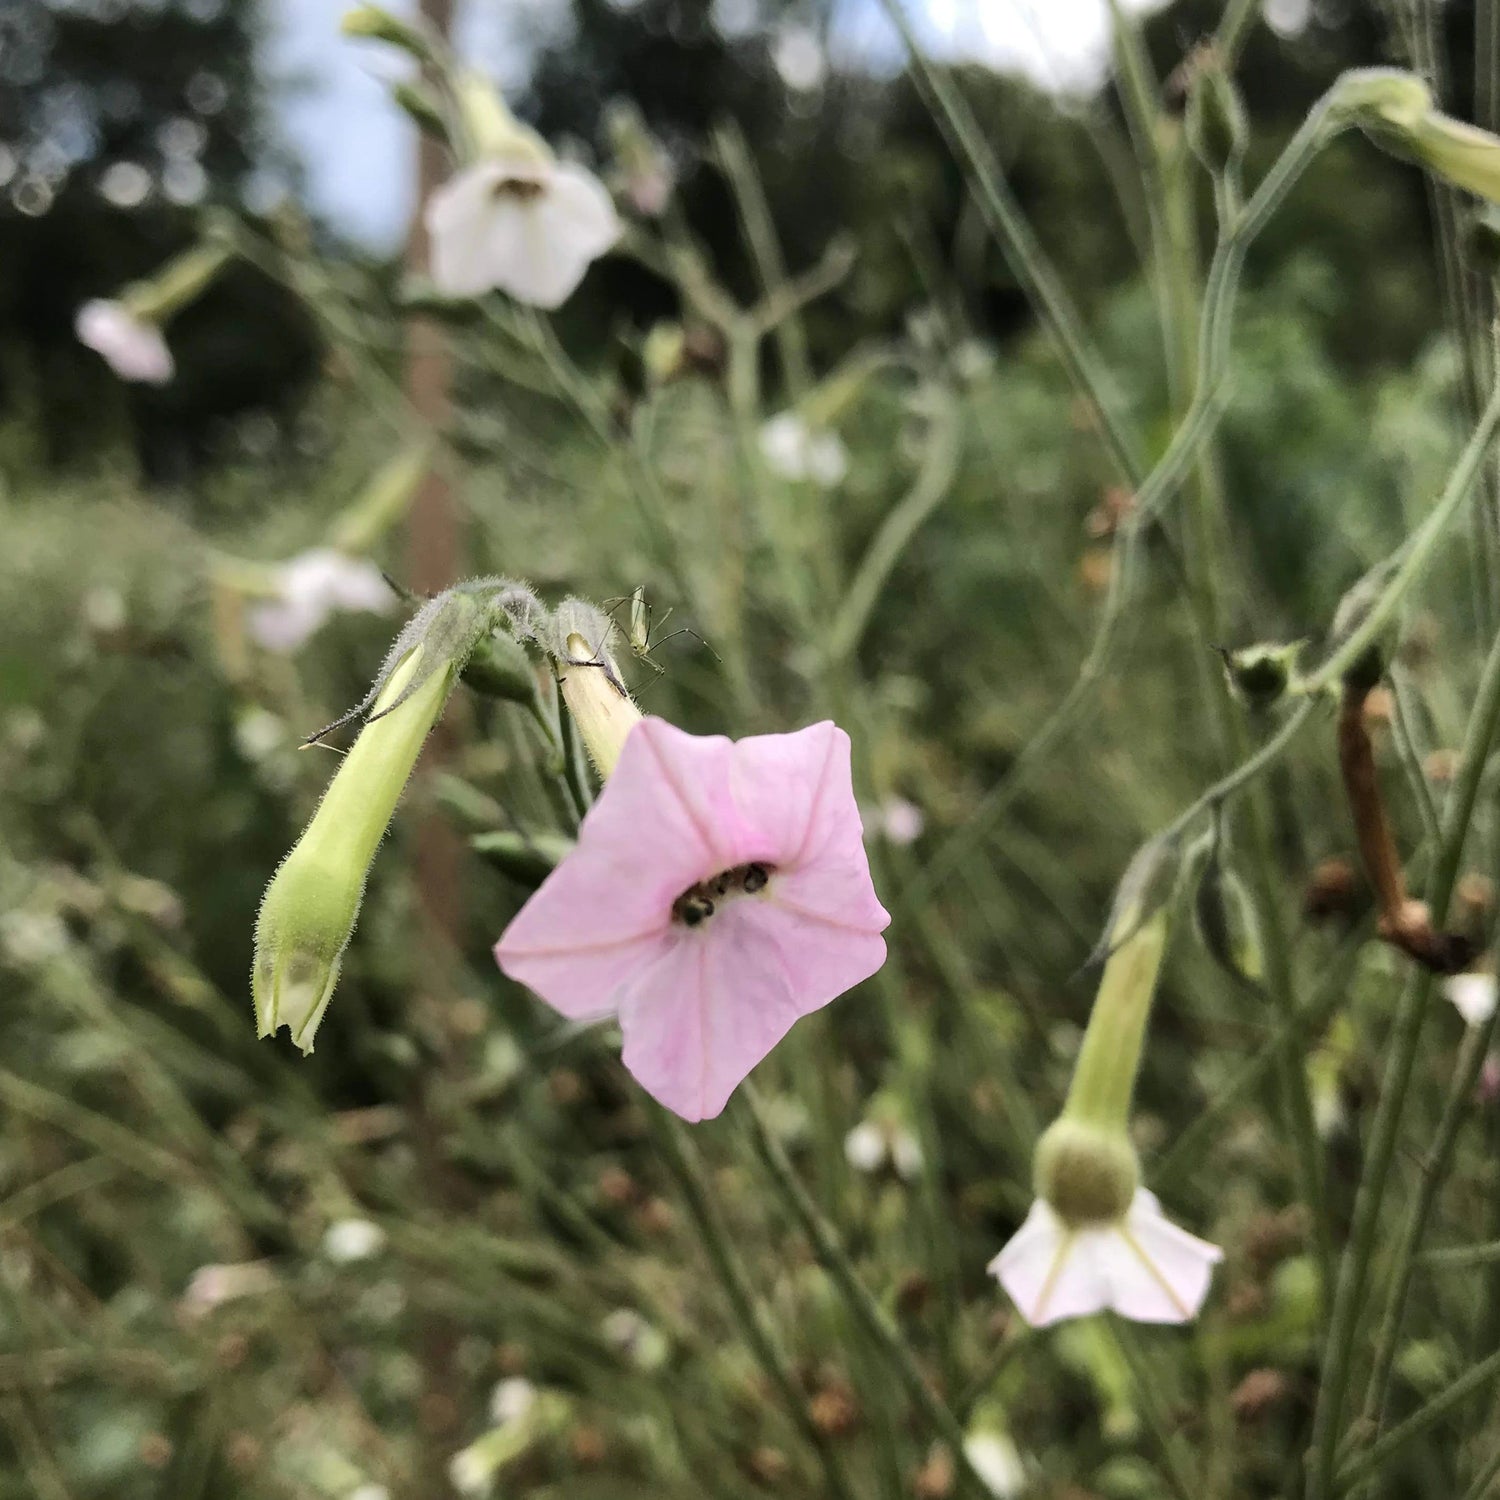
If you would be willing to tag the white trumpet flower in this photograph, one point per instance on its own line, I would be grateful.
(131, 346)
(308, 589)
(799, 452)
(1141, 1266)
(524, 223)
(1473, 996)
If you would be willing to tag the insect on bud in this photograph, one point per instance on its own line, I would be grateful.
(1086, 1173)
(578, 636)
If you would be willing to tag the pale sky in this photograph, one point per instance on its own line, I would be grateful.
(357, 148)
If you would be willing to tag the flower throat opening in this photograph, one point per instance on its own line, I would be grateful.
(522, 188)
(699, 902)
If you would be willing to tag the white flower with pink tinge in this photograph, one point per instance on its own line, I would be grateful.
(719, 891)
(1142, 1266)
(132, 347)
(308, 589)
(526, 224)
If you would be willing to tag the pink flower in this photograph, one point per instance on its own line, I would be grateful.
(718, 892)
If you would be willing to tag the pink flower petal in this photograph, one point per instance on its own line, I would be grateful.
(697, 1022)
(700, 1007)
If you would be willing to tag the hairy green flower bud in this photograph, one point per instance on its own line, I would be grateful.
(1216, 127)
(1261, 674)
(1087, 1174)
(309, 910)
(1223, 914)
(1386, 103)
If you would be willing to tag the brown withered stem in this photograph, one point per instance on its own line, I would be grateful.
(1404, 923)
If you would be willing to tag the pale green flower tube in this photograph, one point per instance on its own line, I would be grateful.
(309, 910)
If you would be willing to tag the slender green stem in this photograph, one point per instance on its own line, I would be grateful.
(1428, 1415)
(681, 1159)
(1027, 260)
(1411, 757)
(1484, 723)
(1167, 1438)
(1186, 1150)
(1458, 1257)
(863, 1307)
(1198, 423)
(1402, 1052)
(933, 481)
(1485, 1479)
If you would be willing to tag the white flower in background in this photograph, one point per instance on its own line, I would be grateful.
(470, 1471)
(997, 1461)
(1473, 996)
(527, 224)
(799, 57)
(32, 937)
(370, 1492)
(350, 1240)
(641, 1343)
(212, 1286)
(882, 1138)
(795, 451)
(1141, 1266)
(311, 587)
(511, 1400)
(132, 347)
(895, 820)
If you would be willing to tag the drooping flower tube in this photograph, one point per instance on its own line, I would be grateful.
(718, 892)
(308, 913)
(127, 330)
(515, 218)
(1095, 1238)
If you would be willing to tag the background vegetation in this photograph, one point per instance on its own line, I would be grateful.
(533, 1222)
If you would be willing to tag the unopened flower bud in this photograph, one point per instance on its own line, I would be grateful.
(1223, 914)
(579, 637)
(377, 24)
(1387, 103)
(309, 910)
(500, 668)
(1087, 1174)
(1216, 127)
(1261, 674)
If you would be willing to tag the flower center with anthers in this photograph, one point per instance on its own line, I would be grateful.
(699, 902)
(522, 188)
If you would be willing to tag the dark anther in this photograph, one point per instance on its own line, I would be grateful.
(756, 877)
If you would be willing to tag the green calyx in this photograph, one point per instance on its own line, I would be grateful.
(1086, 1174)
